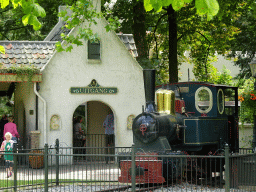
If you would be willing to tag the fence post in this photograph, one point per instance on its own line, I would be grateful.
(227, 169)
(15, 166)
(46, 167)
(133, 168)
(57, 146)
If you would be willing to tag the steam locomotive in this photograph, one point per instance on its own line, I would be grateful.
(188, 116)
(191, 117)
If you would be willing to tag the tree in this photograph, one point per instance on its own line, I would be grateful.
(242, 46)
(83, 12)
(134, 20)
(12, 27)
(202, 37)
(31, 12)
(214, 76)
(208, 7)
(5, 107)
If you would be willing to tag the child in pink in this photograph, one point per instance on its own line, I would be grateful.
(7, 148)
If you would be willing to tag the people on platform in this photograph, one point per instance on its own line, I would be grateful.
(109, 129)
(12, 128)
(7, 148)
(79, 132)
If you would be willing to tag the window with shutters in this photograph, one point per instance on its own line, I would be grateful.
(93, 50)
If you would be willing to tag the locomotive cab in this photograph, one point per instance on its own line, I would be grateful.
(208, 125)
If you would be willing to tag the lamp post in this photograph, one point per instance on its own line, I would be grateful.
(253, 70)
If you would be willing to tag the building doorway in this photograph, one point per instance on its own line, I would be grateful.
(93, 114)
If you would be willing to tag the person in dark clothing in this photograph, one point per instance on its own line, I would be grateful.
(109, 129)
(3, 121)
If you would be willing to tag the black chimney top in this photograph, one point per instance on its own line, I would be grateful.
(149, 86)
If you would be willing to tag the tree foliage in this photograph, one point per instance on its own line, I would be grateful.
(196, 34)
(12, 27)
(4, 107)
(242, 46)
(204, 7)
(201, 36)
(31, 10)
(84, 16)
(184, 25)
(222, 77)
(25, 12)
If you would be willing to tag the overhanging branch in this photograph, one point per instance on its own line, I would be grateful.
(155, 33)
(208, 49)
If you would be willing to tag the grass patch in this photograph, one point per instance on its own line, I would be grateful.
(9, 183)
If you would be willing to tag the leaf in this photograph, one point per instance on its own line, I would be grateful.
(209, 7)
(27, 9)
(38, 10)
(201, 7)
(157, 8)
(157, 5)
(188, 1)
(34, 21)
(69, 48)
(59, 47)
(78, 42)
(166, 3)
(147, 5)
(4, 3)
(213, 7)
(2, 49)
(25, 19)
(177, 4)
(15, 3)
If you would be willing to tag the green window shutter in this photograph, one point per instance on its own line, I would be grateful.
(93, 50)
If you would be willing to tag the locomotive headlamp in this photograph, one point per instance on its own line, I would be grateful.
(253, 67)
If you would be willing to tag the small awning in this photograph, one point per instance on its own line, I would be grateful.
(11, 77)
(8, 80)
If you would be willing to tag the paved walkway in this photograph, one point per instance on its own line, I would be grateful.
(94, 171)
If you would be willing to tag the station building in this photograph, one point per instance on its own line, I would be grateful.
(100, 78)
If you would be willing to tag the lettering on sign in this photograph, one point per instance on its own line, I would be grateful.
(94, 88)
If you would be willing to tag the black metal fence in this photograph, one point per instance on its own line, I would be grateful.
(95, 140)
(60, 169)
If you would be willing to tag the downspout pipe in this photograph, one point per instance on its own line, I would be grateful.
(44, 112)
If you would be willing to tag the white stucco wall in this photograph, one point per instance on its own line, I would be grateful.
(117, 69)
(25, 99)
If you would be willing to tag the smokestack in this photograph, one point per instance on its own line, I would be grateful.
(149, 86)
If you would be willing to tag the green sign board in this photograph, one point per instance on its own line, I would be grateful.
(94, 88)
(98, 90)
